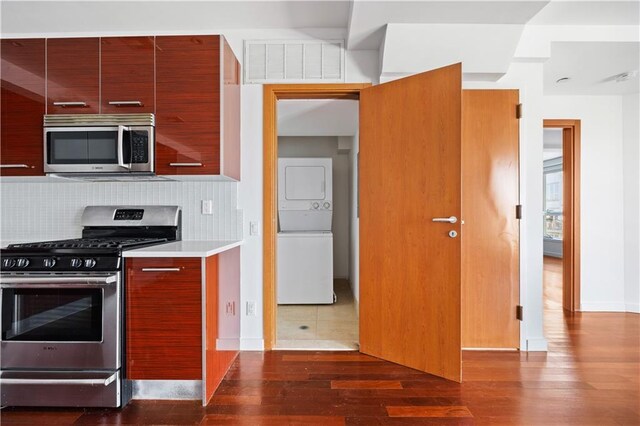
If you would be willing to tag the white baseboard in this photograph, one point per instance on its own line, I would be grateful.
(252, 344)
(632, 307)
(537, 345)
(602, 307)
(228, 344)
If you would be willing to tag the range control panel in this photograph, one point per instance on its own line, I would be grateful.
(129, 214)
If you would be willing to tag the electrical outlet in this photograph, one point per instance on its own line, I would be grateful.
(207, 206)
(254, 228)
(230, 308)
(251, 309)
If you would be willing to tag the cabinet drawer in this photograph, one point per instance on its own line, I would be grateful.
(164, 319)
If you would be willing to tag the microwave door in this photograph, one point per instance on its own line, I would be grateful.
(86, 150)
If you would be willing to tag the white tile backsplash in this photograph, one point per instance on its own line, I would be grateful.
(43, 210)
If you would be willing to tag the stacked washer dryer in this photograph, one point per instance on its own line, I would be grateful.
(305, 241)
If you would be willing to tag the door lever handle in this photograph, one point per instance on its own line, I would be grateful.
(451, 219)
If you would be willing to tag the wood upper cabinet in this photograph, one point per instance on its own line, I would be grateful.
(73, 76)
(194, 87)
(127, 75)
(164, 319)
(23, 105)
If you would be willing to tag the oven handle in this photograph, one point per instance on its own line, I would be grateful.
(57, 282)
(91, 382)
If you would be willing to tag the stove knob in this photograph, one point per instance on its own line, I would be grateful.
(326, 205)
(8, 262)
(22, 262)
(76, 263)
(315, 205)
(49, 262)
(89, 263)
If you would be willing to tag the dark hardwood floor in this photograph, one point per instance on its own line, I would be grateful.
(590, 376)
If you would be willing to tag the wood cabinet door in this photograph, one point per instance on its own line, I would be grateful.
(23, 106)
(73, 75)
(230, 161)
(127, 75)
(164, 319)
(188, 105)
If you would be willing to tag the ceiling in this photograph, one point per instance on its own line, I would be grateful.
(589, 64)
(368, 18)
(114, 16)
(591, 67)
(320, 117)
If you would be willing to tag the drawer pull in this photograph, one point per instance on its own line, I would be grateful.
(14, 166)
(125, 103)
(161, 269)
(185, 164)
(70, 104)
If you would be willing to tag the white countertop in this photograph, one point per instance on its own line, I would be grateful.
(198, 248)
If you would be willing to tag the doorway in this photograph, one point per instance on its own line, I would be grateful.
(561, 240)
(316, 291)
(271, 94)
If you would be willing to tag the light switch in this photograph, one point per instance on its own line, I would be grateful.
(207, 206)
(254, 228)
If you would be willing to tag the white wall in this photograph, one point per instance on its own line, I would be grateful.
(601, 184)
(631, 177)
(354, 240)
(327, 146)
(33, 210)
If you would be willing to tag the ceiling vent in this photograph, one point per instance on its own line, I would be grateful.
(278, 61)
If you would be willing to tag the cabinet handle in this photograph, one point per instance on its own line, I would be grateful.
(125, 103)
(70, 104)
(160, 269)
(185, 164)
(14, 166)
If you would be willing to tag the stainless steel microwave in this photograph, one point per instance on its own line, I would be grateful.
(99, 143)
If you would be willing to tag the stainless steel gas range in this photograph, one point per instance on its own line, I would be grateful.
(62, 320)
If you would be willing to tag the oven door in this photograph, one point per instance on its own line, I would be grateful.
(109, 149)
(60, 321)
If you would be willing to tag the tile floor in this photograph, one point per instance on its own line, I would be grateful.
(320, 326)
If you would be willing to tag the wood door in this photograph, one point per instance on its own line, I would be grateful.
(23, 105)
(188, 105)
(410, 139)
(73, 75)
(491, 232)
(127, 74)
(164, 319)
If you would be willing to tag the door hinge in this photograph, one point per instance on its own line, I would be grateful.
(519, 312)
(519, 111)
(519, 211)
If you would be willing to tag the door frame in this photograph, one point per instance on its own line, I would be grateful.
(271, 94)
(571, 211)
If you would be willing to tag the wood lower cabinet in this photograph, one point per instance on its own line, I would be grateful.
(181, 318)
(164, 319)
(197, 84)
(127, 69)
(23, 105)
(73, 75)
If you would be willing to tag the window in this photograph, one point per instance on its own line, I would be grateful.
(553, 220)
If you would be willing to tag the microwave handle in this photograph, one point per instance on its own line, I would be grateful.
(121, 163)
